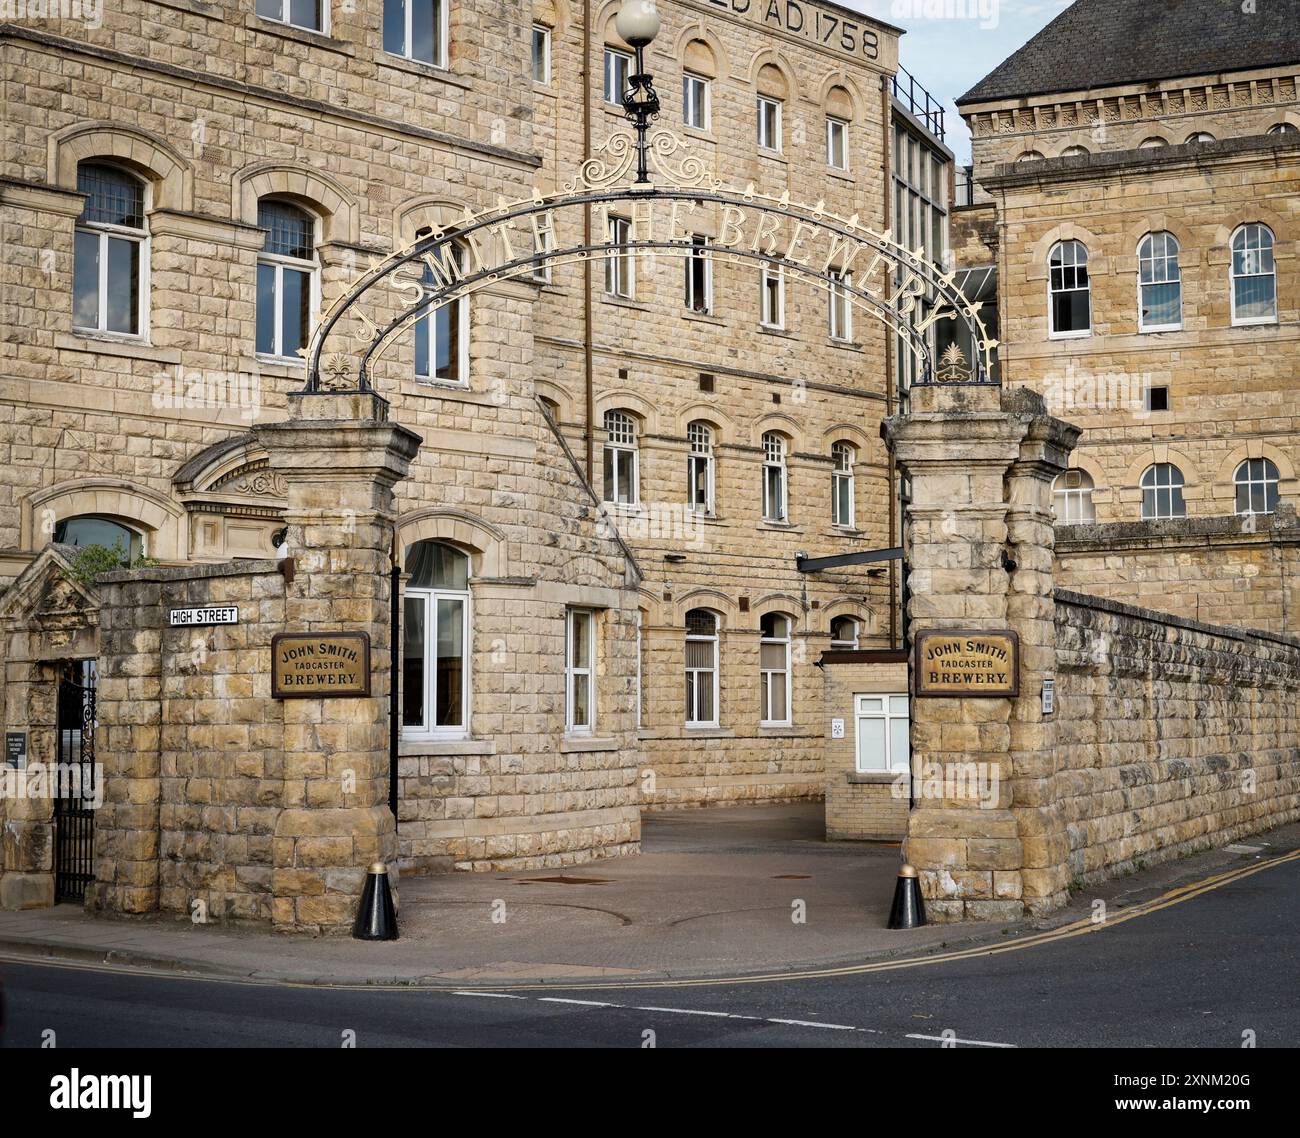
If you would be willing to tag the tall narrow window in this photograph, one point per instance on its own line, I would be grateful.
(1257, 482)
(298, 13)
(1162, 492)
(435, 636)
(442, 337)
(620, 458)
(541, 53)
(544, 242)
(883, 729)
(416, 29)
(639, 682)
(580, 671)
(618, 71)
(701, 668)
(286, 278)
(774, 670)
(1254, 276)
(699, 276)
(620, 275)
(699, 468)
(837, 143)
(844, 634)
(772, 297)
(110, 253)
(1160, 298)
(1072, 498)
(842, 485)
(774, 478)
(695, 101)
(1070, 309)
(769, 123)
(841, 311)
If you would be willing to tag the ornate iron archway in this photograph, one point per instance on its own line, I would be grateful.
(896, 285)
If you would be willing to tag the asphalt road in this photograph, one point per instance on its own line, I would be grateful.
(1195, 974)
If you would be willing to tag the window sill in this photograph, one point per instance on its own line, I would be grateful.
(280, 365)
(781, 729)
(623, 302)
(699, 133)
(1267, 322)
(301, 35)
(839, 175)
(577, 744)
(1069, 335)
(420, 68)
(1158, 331)
(106, 344)
(772, 155)
(410, 748)
(873, 778)
(705, 731)
(844, 345)
(774, 330)
(702, 317)
(783, 527)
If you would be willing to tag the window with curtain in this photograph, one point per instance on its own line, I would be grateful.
(701, 668)
(435, 640)
(110, 252)
(286, 278)
(774, 670)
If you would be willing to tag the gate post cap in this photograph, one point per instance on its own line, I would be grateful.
(906, 870)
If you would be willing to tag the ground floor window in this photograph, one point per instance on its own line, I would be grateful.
(580, 671)
(882, 733)
(435, 633)
(701, 668)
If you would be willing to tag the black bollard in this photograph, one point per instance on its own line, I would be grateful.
(376, 918)
(908, 910)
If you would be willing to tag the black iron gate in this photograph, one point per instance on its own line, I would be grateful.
(74, 784)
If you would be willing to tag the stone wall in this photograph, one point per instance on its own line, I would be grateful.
(1172, 736)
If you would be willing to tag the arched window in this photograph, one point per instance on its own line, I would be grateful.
(1152, 143)
(701, 668)
(842, 512)
(1160, 287)
(417, 29)
(839, 113)
(1200, 136)
(844, 634)
(620, 458)
(110, 258)
(775, 479)
(772, 93)
(1283, 128)
(435, 640)
(1254, 276)
(1162, 492)
(1030, 156)
(1070, 307)
(442, 337)
(774, 670)
(1072, 498)
(699, 468)
(1257, 486)
(1075, 152)
(91, 529)
(286, 278)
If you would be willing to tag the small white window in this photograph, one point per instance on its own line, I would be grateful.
(618, 72)
(110, 263)
(883, 729)
(699, 276)
(1072, 498)
(772, 297)
(541, 53)
(620, 268)
(699, 468)
(769, 123)
(842, 485)
(844, 634)
(837, 143)
(840, 306)
(307, 14)
(287, 280)
(1160, 286)
(774, 478)
(1070, 293)
(1254, 276)
(580, 671)
(1256, 481)
(701, 668)
(620, 458)
(442, 337)
(1162, 492)
(695, 101)
(774, 670)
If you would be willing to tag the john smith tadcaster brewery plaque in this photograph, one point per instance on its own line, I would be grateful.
(962, 663)
(320, 665)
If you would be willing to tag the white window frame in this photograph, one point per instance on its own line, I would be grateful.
(699, 254)
(841, 474)
(771, 144)
(1234, 276)
(1079, 333)
(430, 598)
(620, 268)
(846, 645)
(545, 80)
(833, 126)
(408, 18)
(774, 460)
(424, 369)
(639, 681)
(765, 697)
(1156, 470)
(840, 308)
(575, 676)
(699, 441)
(697, 96)
(715, 641)
(105, 232)
(1073, 505)
(886, 713)
(280, 262)
(286, 8)
(610, 72)
(1272, 476)
(766, 317)
(1148, 256)
(627, 441)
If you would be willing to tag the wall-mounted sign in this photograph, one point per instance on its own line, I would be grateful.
(1049, 696)
(837, 728)
(16, 750)
(967, 663)
(211, 614)
(320, 665)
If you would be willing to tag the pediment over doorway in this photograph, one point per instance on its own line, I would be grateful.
(58, 612)
(234, 501)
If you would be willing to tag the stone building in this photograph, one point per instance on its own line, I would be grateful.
(1137, 199)
(619, 462)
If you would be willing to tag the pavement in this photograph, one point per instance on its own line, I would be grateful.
(720, 892)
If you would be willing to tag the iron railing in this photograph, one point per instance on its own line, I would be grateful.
(923, 106)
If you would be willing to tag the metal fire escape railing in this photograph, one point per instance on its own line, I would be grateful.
(923, 106)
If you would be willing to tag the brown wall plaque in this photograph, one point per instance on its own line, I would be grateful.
(966, 662)
(320, 665)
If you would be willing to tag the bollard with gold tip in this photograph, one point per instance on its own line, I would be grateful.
(908, 910)
(376, 918)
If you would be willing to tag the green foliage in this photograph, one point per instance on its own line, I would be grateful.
(92, 560)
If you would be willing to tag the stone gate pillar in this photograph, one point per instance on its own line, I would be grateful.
(340, 459)
(979, 543)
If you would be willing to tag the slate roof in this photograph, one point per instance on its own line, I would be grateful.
(1108, 43)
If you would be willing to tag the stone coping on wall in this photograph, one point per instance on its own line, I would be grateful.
(1119, 608)
(164, 573)
(1101, 537)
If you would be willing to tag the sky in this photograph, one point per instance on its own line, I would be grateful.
(951, 45)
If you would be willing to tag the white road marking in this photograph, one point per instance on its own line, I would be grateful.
(809, 1023)
(692, 1012)
(493, 995)
(582, 1003)
(968, 1042)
